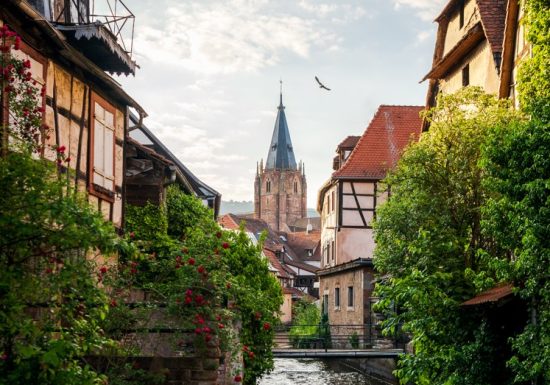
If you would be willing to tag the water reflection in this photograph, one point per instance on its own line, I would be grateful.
(310, 371)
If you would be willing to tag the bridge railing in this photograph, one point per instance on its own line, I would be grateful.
(334, 336)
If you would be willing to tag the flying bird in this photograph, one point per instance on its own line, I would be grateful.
(321, 85)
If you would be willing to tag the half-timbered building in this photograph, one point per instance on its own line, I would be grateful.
(87, 111)
(151, 167)
(347, 203)
(478, 43)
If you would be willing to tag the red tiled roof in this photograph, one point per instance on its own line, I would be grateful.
(349, 142)
(229, 221)
(380, 146)
(493, 15)
(492, 295)
(281, 271)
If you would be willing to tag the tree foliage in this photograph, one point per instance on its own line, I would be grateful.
(214, 281)
(431, 246)
(518, 215)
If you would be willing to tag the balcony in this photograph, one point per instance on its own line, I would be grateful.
(102, 30)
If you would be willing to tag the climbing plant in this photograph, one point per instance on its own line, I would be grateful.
(216, 282)
(518, 166)
(431, 247)
(50, 304)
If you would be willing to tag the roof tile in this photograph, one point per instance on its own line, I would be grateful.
(380, 146)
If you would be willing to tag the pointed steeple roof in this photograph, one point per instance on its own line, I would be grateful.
(281, 153)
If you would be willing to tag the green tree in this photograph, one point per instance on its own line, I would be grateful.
(305, 324)
(518, 165)
(431, 245)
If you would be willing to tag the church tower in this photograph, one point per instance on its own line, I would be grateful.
(280, 189)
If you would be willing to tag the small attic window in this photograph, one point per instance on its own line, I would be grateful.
(466, 75)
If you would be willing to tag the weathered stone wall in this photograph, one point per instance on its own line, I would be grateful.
(361, 279)
(283, 203)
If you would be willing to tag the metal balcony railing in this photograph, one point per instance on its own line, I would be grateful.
(114, 15)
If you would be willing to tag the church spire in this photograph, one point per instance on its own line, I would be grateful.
(281, 154)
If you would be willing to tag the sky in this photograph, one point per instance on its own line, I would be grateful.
(210, 69)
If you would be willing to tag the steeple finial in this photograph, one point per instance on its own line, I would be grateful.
(281, 93)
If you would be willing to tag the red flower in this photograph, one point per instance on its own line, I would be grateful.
(225, 245)
(207, 337)
(206, 329)
(267, 326)
(221, 326)
(251, 355)
(238, 378)
(245, 348)
(191, 261)
(113, 303)
(219, 234)
(198, 330)
(199, 299)
(201, 269)
(103, 269)
(228, 285)
(61, 149)
(188, 300)
(258, 315)
(189, 292)
(68, 159)
(132, 234)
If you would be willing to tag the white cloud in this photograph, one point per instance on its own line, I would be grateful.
(425, 9)
(229, 36)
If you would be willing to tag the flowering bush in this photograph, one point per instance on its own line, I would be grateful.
(215, 282)
(50, 304)
(22, 94)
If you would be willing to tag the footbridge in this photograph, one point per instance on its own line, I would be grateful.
(335, 341)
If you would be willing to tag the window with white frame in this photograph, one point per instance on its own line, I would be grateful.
(103, 147)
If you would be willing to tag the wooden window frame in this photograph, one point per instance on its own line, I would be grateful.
(93, 188)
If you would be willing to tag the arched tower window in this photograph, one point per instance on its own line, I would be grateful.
(268, 186)
(295, 187)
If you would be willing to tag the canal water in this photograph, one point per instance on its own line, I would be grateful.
(290, 371)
